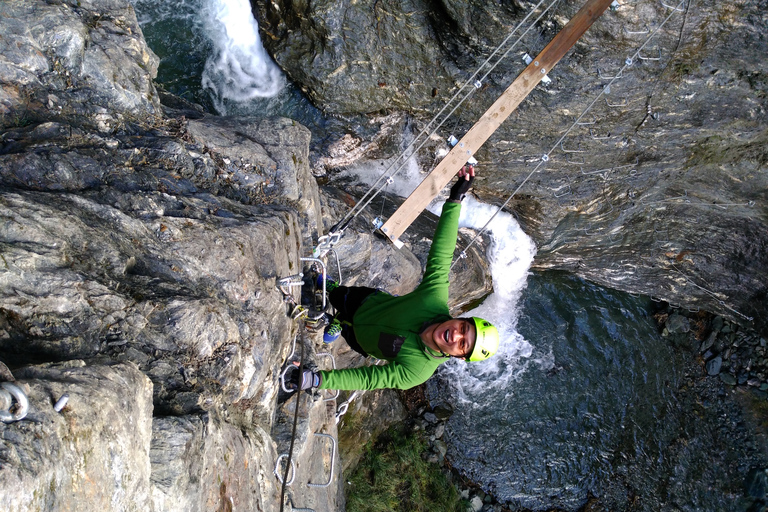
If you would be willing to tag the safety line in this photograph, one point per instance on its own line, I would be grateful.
(545, 158)
(409, 152)
(295, 417)
(713, 295)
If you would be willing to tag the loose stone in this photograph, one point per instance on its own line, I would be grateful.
(714, 365)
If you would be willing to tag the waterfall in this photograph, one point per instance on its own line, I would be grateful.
(239, 68)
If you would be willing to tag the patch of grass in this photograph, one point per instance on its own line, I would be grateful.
(393, 476)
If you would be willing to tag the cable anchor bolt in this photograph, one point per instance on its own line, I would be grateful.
(12, 413)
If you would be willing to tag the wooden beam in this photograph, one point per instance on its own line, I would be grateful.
(492, 119)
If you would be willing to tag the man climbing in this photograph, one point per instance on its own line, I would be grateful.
(414, 332)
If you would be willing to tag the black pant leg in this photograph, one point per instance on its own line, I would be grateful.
(346, 300)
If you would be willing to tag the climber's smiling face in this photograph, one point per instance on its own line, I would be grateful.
(455, 337)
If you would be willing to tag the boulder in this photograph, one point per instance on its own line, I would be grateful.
(85, 62)
(200, 463)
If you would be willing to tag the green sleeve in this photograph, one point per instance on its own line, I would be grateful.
(392, 375)
(443, 245)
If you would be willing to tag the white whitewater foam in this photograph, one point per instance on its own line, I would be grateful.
(239, 68)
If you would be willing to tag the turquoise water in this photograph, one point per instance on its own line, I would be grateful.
(599, 404)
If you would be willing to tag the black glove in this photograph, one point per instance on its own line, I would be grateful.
(306, 380)
(460, 188)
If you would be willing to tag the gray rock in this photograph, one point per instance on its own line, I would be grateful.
(439, 430)
(476, 503)
(430, 417)
(443, 412)
(709, 342)
(266, 158)
(188, 451)
(440, 447)
(86, 62)
(677, 324)
(728, 379)
(714, 365)
(756, 483)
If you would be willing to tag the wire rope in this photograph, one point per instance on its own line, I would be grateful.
(295, 418)
(408, 152)
(545, 158)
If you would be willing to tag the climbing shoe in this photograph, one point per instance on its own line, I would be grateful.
(332, 331)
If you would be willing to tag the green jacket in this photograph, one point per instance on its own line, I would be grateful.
(388, 327)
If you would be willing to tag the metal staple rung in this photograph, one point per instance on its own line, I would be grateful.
(614, 105)
(571, 150)
(600, 171)
(333, 459)
(642, 57)
(673, 8)
(568, 191)
(638, 32)
(294, 508)
(282, 379)
(604, 77)
(587, 123)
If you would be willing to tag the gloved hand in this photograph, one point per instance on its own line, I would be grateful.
(306, 380)
(461, 187)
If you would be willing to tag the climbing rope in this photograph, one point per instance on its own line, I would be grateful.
(578, 122)
(472, 84)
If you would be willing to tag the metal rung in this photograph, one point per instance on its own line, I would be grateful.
(277, 472)
(643, 57)
(333, 458)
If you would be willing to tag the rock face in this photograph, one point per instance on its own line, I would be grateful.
(659, 188)
(83, 61)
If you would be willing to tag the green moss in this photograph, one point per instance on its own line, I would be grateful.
(393, 476)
